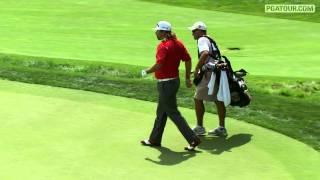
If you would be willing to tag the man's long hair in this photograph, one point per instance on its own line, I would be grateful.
(170, 35)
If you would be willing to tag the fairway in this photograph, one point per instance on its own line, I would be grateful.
(54, 133)
(113, 31)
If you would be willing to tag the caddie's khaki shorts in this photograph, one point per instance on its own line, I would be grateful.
(202, 89)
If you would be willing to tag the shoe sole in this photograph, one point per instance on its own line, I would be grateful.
(204, 134)
(190, 150)
(150, 145)
(216, 135)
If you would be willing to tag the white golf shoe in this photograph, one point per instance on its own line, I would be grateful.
(199, 130)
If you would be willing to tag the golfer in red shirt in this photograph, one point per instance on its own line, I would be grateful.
(169, 54)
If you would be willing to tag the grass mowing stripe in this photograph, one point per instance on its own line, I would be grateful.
(95, 31)
(281, 104)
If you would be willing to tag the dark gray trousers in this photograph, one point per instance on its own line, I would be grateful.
(167, 107)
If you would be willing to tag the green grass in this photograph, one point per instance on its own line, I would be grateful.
(54, 133)
(110, 31)
(294, 113)
(250, 7)
(102, 45)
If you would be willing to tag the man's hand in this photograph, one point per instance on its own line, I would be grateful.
(188, 83)
(143, 73)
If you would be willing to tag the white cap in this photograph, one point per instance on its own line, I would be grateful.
(163, 26)
(198, 25)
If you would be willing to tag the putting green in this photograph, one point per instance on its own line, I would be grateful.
(54, 133)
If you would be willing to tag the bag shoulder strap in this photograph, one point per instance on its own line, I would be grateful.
(214, 47)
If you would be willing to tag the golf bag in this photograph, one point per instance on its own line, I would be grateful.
(238, 89)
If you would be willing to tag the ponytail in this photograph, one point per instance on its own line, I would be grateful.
(171, 35)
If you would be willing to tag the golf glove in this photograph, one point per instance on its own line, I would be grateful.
(143, 73)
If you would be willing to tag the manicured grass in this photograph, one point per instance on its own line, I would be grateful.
(110, 31)
(250, 7)
(110, 43)
(281, 104)
(54, 133)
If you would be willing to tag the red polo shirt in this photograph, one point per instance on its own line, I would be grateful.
(169, 54)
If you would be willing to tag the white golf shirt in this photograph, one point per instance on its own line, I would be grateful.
(205, 45)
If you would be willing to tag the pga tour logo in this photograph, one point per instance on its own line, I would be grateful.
(290, 8)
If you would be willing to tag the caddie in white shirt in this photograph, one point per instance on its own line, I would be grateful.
(208, 53)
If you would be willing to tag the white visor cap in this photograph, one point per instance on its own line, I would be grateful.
(163, 26)
(198, 25)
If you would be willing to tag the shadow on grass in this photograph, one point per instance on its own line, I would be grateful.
(169, 157)
(218, 145)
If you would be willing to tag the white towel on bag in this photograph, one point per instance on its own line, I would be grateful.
(224, 91)
(211, 83)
